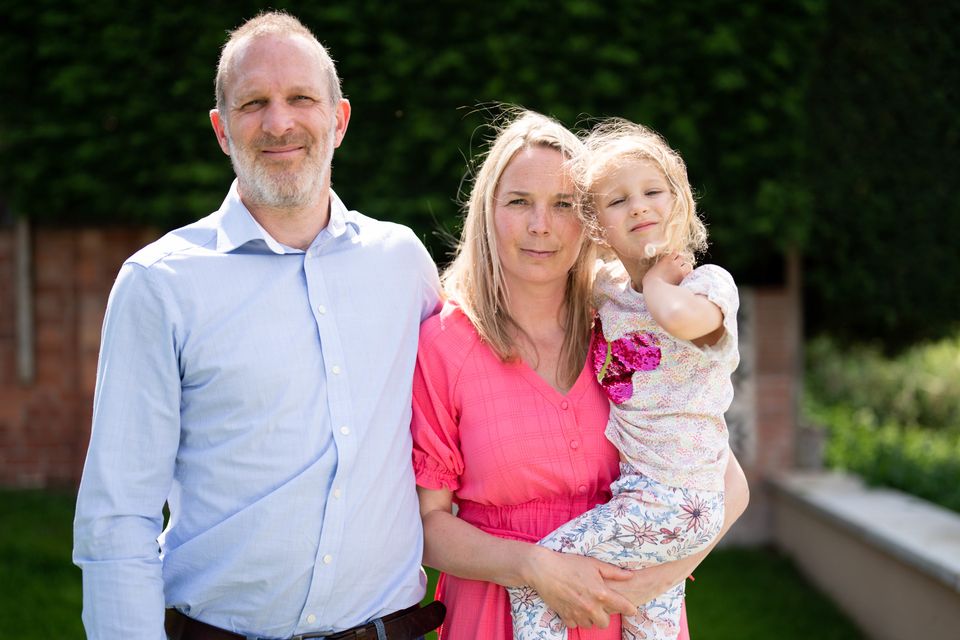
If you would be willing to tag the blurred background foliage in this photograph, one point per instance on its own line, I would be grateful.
(824, 126)
(892, 420)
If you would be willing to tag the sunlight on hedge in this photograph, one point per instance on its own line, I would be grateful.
(894, 421)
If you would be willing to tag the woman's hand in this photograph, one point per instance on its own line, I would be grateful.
(581, 590)
(644, 585)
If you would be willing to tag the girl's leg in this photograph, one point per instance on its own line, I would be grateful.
(644, 523)
(658, 619)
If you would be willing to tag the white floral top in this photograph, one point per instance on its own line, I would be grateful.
(668, 396)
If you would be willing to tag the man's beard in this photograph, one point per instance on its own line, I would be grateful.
(277, 184)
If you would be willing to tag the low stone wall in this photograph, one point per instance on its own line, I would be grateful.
(889, 560)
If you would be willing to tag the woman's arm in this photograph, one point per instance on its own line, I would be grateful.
(573, 586)
(648, 583)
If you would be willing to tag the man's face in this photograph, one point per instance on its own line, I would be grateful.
(280, 127)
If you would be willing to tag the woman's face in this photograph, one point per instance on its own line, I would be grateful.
(538, 232)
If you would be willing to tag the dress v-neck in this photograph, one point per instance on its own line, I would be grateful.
(546, 389)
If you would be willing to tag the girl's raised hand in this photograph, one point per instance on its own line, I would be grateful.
(672, 268)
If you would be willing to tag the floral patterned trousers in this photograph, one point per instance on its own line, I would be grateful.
(645, 523)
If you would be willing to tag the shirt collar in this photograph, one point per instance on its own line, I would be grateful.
(238, 227)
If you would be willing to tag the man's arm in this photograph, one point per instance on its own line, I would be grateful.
(129, 466)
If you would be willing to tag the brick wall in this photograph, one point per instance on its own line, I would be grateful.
(45, 424)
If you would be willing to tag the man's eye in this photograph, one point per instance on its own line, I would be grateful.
(253, 104)
(303, 99)
(563, 204)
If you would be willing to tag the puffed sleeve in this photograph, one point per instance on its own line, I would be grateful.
(437, 460)
(719, 288)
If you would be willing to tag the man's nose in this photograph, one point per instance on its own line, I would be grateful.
(277, 118)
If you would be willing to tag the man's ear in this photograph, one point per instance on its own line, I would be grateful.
(220, 129)
(343, 119)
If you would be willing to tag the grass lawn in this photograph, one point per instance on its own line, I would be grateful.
(742, 594)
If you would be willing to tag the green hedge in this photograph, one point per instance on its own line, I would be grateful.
(110, 123)
(895, 421)
(917, 461)
(828, 126)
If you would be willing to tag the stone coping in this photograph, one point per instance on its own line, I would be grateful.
(913, 530)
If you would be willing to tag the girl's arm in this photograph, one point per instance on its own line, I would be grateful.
(681, 312)
(573, 586)
(648, 583)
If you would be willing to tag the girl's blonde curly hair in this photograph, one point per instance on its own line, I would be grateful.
(615, 142)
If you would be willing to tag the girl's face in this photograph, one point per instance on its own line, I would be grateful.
(633, 206)
(537, 229)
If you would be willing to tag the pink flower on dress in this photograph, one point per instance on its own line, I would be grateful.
(615, 361)
(695, 512)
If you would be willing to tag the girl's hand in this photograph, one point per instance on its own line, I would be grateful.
(671, 268)
(576, 587)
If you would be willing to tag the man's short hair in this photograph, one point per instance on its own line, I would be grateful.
(271, 23)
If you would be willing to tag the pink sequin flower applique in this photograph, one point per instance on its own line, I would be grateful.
(615, 361)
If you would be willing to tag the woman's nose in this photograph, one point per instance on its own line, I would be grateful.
(539, 222)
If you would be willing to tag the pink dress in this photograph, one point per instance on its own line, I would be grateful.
(520, 457)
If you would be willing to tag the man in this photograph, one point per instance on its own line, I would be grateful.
(255, 374)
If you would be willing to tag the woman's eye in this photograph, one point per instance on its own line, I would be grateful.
(517, 202)
(654, 192)
(615, 202)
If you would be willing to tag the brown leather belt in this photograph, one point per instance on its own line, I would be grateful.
(408, 624)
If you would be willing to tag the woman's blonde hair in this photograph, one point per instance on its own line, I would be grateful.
(615, 142)
(475, 277)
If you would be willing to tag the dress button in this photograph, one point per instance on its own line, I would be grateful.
(336, 369)
(311, 619)
(327, 559)
(582, 489)
(345, 430)
(564, 405)
(321, 309)
(337, 493)
(574, 444)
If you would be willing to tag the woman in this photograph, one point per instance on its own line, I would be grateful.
(508, 422)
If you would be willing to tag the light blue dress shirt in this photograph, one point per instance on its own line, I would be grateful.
(265, 393)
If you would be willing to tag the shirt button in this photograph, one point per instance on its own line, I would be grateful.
(337, 493)
(311, 619)
(321, 309)
(574, 444)
(582, 489)
(564, 405)
(345, 430)
(327, 559)
(336, 369)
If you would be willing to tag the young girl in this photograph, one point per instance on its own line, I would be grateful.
(664, 346)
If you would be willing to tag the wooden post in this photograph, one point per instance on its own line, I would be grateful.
(26, 365)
